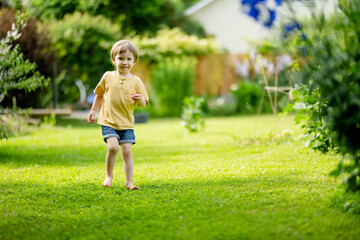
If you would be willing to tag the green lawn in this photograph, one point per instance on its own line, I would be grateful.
(227, 182)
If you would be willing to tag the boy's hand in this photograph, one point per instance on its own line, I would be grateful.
(91, 116)
(137, 97)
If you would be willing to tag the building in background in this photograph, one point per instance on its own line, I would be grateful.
(234, 29)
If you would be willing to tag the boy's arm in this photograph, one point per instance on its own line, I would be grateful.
(97, 101)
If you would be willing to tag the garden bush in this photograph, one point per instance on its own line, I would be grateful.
(173, 43)
(328, 92)
(249, 95)
(172, 79)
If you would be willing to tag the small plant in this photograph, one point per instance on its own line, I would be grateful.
(193, 116)
(12, 124)
(271, 138)
(49, 121)
(284, 136)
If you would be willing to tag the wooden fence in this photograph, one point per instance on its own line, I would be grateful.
(214, 74)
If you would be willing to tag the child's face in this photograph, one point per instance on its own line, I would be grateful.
(124, 62)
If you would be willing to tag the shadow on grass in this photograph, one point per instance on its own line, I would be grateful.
(66, 155)
(78, 123)
(73, 155)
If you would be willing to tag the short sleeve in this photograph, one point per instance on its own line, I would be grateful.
(100, 88)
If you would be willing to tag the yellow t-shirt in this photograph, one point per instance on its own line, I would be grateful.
(117, 108)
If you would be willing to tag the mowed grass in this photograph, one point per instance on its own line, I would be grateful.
(216, 184)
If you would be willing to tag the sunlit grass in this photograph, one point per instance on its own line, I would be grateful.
(208, 185)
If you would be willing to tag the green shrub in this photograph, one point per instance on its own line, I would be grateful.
(248, 95)
(328, 94)
(172, 79)
(173, 43)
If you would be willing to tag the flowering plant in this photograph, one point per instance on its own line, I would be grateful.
(173, 43)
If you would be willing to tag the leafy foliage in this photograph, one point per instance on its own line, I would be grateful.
(329, 91)
(83, 43)
(309, 110)
(34, 42)
(15, 71)
(173, 43)
(135, 16)
(35, 46)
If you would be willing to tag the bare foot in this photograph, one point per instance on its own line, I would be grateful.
(132, 187)
(107, 182)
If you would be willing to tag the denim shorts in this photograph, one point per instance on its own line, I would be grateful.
(123, 136)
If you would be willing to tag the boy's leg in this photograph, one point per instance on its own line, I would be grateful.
(126, 151)
(113, 149)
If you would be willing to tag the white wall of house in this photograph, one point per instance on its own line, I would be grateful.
(233, 29)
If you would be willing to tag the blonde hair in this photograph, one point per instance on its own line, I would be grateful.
(121, 47)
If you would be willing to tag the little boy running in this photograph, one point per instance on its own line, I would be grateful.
(119, 92)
